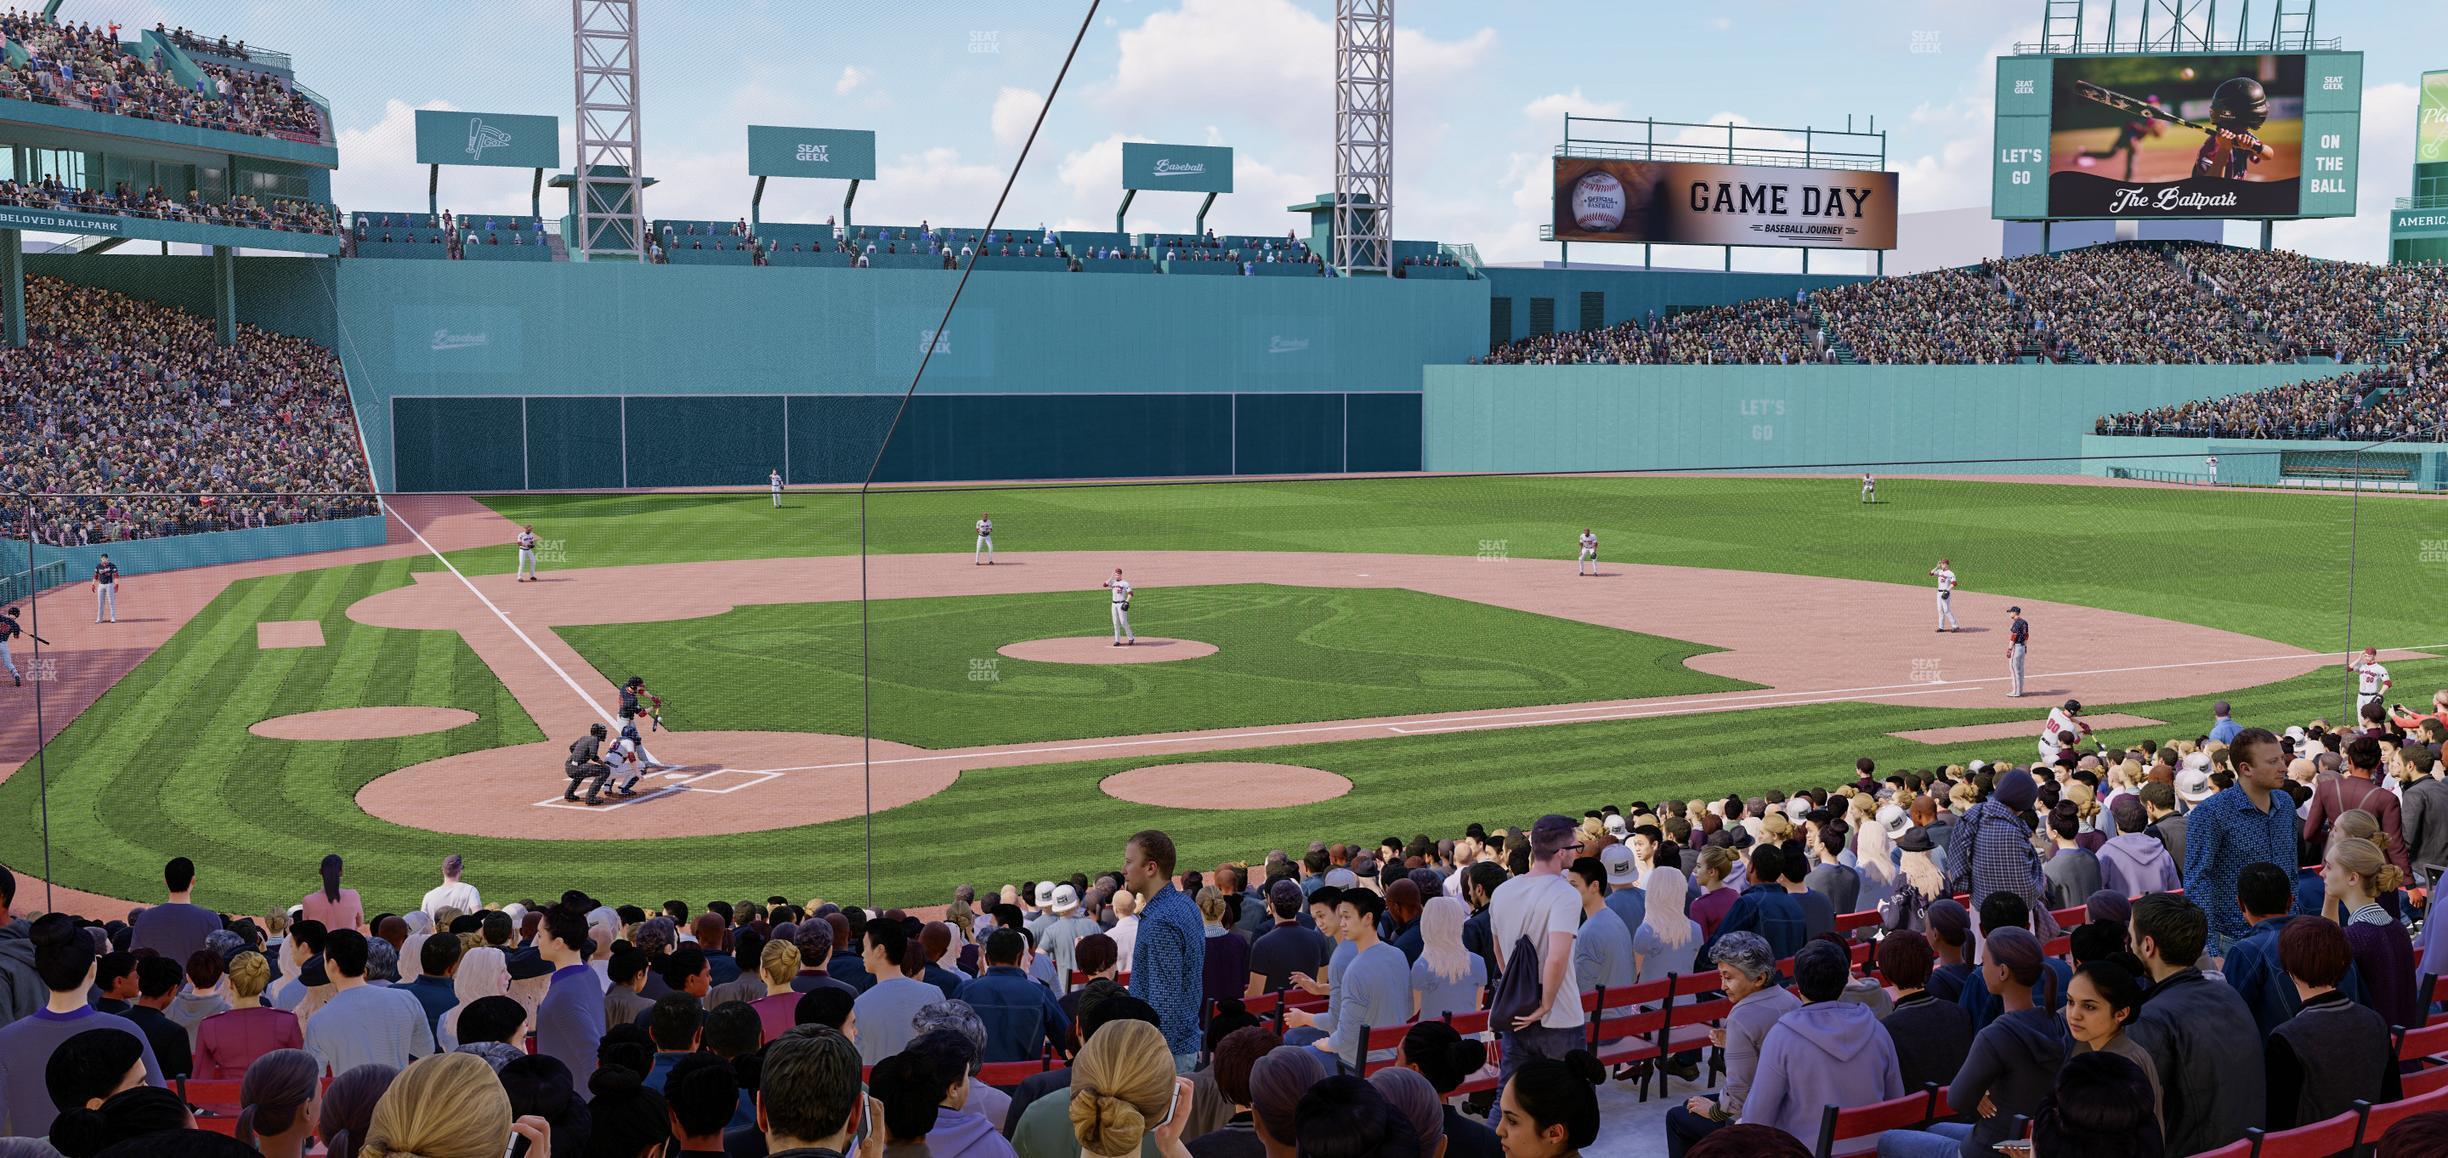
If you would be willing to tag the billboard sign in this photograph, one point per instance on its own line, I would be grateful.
(2431, 120)
(508, 140)
(1701, 203)
(1197, 168)
(843, 154)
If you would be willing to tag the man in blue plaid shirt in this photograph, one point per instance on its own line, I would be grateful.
(1169, 962)
(2250, 823)
(1990, 851)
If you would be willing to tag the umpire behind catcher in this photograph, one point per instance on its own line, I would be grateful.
(586, 764)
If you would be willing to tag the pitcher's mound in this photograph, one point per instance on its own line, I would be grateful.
(1224, 785)
(361, 723)
(1100, 649)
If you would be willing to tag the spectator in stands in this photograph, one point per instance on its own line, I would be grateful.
(1829, 1052)
(363, 1024)
(438, 959)
(2200, 1035)
(177, 927)
(2251, 966)
(1989, 851)
(1602, 949)
(1448, 978)
(278, 1098)
(1124, 1089)
(1549, 1109)
(2073, 872)
(2011, 1066)
(1287, 947)
(157, 982)
(2134, 861)
(1373, 991)
(1542, 909)
(64, 958)
(1746, 970)
(1932, 1036)
(2335, 1051)
(1225, 956)
(888, 1010)
(2101, 1107)
(2359, 789)
(1447, 1059)
(1168, 969)
(1020, 1015)
(451, 1106)
(1831, 878)
(227, 1043)
(1714, 872)
(2247, 823)
(569, 1020)
(2101, 1005)
(90, 1068)
(2353, 879)
(202, 998)
(1765, 908)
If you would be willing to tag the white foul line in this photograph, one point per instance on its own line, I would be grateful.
(514, 628)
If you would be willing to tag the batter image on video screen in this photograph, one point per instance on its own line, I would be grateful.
(2177, 136)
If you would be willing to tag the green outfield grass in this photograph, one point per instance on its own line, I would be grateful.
(2266, 563)
(1285, 654)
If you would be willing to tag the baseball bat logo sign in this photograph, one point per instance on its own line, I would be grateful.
(1598, 201)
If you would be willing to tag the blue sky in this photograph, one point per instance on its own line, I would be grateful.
(1480, 92)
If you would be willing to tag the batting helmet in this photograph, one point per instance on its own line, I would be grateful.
(2073, 707)
(2240, 103)
(629, 732)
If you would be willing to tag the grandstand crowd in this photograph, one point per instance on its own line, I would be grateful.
(84, 66)
(2121, 952)
(243, 211)
(141, 424)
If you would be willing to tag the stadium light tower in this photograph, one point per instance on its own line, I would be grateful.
(1364, 137)
(611, 193)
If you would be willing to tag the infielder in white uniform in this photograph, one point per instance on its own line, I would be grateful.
(2371, 680)
(1945, 572)
(1589, 553)
(774, 479)
(985, 541)
(1869, 488)
(1121, 589)
(526, 554)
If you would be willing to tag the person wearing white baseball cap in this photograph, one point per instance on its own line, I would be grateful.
(1061, 937)
(1617, 826)
(2193, 785)
(1623, 885)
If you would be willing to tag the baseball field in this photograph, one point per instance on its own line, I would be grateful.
(1393, 656)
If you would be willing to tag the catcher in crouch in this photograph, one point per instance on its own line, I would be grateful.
(636, 701)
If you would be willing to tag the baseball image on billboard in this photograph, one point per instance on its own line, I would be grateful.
(2176, 136)
(1695, 203)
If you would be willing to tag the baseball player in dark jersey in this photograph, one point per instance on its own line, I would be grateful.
(636, 701)
(2018, 634)
(106, 590)
(9, 630)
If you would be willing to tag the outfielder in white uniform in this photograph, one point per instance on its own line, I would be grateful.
(1121, 589)
(1589, 553)
(2371, 680)
(1945, 573)
(526, 554)
(985, 541)
(2212, 463)
(1869, 488)
(774, 479)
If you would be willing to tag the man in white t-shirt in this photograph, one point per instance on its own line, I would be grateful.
(1944, 572)
(1543, 906)
(452, 892)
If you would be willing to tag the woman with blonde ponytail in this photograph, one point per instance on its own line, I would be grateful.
(1123, 1088)
(448, 1105)
(2355, 875)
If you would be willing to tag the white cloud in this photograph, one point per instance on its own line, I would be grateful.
(1550, 109)
(379, 173)
(852, 76)
(1015, 110)
(938, 185)
(1268, 59)
(1722, 23)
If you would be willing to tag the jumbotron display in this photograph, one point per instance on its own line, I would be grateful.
(2218, 135)
(1693, 203)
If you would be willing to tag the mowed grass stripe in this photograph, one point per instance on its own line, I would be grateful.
(1287, 655)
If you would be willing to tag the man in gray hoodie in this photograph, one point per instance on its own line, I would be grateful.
(2134, 862)
(2013, 1064)
(21, 988)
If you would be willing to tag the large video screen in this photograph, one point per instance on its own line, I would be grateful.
(2176, 136)
(1696, 203)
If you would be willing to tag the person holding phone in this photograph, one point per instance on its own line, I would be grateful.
(1123, 1089)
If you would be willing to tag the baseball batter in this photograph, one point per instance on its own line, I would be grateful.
(2061, 719)
(636, 701)
(1589, 553)
(526, 554)
(1869, 488)
(985, 541)
(9, 630)
(106, 590)
(1121, 589)
(774, 479)
(2018, 639)
(1945, 574)
(2371, 680)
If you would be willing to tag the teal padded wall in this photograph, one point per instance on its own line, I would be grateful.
(574, 443)
(1287, 433)
(696, 442)
(174, 552)
(1002, 436)
(1383, 432)
(448, 444)
(1571, 418)
(834, 437)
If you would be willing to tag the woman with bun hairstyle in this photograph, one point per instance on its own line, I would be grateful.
(280, 1095)
(1123, 1089)
(2356, 876)
(448, 1106)
(348, 1108)
(624, 1117)
(86, 1070)
(1448, 1059)
(1550, 1108)
(135, 1113)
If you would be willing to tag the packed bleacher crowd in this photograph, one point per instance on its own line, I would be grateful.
(85, 66)
(242, 211)
(138, 424)
(2155, 950)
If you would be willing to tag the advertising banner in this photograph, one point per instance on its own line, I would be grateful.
(844, 154)
(1697, 203)
(2431, 120)
(1197, 168)
(509, 140)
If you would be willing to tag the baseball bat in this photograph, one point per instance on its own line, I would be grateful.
(2142, 108)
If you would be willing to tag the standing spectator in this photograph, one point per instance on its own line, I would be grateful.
(452, 893)
(2223, 727)
(1746, 970)
(1542, 911)
(1602, 948)
(2249, 823)
(1830, 1052)
(2335, 1052)
(1765, 908)
(176, 928)
(2013, 1062)
(569, 1021)
(2353, 879)
(1932, 1037)
(2134, 862)
(64, 958)
(1061, 935)
(2357, 789)
(333, 907)
(363, 1024)
(2200, 1035)
(1990, 851)
(1168, 964)
(2101, 1004)
(227, 1043)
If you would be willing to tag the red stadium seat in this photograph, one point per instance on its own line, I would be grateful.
(1629, 1037)
(2318, 1140)
(2422, 1082)
(2428, 1041)
(1004, 1075)
(1376, 1038)
(2240, 1148)
(1850, 922)
(1838, 1125)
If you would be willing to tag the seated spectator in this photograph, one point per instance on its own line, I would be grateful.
(2101, 1107)
(2014, 1059)
(924, 1091)
(227, 1043)
(278, 1099)
(1746, 970)
(1416, 1102)
(1020, 1015)
(1550, 1107)
(64, 958)
(1932, 1037)
(157, 982)
(144, 1112)
(2134, 861)
(2334, 1052)
(2004, 910)
(1765, 909)
(1447, 1059)
(1448, 979)
(2355, 876)
(1950, 934)
(1124, 1090)
(2101, 1003)
(92, 1067)
(446, 1106)
(1234, 1057)
(1829, 1052)
(2202, 1041)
